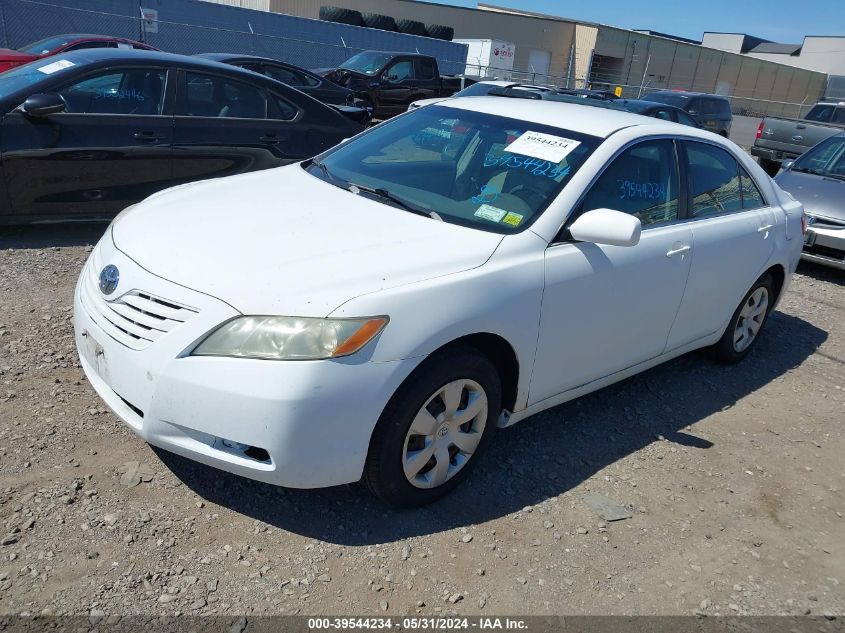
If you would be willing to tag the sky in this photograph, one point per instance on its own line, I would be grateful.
(786, 21)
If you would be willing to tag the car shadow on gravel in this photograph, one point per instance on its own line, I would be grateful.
(822, 273)
(51, 235)
(537, 459)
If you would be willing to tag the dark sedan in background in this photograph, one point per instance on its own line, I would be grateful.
(9, 58)
(310, 83)
(87, 133)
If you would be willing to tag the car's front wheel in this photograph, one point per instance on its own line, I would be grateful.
(434, 429)
(746, 323)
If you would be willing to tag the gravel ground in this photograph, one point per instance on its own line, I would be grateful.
(733, 477)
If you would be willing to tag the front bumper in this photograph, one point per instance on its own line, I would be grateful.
(306, 424)
(825, 244)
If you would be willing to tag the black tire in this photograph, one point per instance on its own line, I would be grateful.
(411, 27)
(769, 166)
(341, 15)
(440, 32)
(725, 351)
(384, 474)
(379, 21)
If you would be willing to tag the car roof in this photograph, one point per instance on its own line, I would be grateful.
(687, 93)
(100, 55)
(230, 56)
(581, 118)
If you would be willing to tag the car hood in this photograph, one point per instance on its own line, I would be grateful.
(819, 195)
(284, 242)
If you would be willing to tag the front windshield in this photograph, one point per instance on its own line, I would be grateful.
(825, 159)
(367, 63)
(42, 47)
(662, 97)
(470, 168)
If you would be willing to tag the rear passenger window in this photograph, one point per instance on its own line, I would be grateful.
(821, 113)
(213, 96)
(425, 69)
(839, 115)
(280, 73)
(714, 180)
(641, 181)
(751, 196)
(282, 109)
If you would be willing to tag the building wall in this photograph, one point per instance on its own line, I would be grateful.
(528, 33)
(637, 61)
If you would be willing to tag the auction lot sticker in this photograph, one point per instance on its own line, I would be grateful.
(49, 69)
(543, 146)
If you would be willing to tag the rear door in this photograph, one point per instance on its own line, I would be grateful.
(110, 148)
(426, 80)
(228, 125)
(732, 230)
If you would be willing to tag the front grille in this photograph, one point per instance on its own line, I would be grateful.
(135, 318)
(827, 223)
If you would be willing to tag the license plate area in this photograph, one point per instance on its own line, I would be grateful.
(94, 354)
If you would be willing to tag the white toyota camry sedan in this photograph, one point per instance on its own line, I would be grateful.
(377, 312)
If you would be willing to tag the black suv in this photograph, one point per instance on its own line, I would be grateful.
(713, 112)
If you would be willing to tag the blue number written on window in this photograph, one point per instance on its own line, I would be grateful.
(643, 190)
(534, 166)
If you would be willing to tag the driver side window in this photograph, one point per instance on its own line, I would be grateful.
(642, 181)
(399, 72)
(133, 91)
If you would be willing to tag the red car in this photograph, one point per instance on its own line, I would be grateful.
(9, 58)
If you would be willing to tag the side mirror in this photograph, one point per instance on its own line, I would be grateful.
(606, 226)
(43, 104)
(787, 164)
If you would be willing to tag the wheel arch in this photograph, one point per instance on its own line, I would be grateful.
(778, 275)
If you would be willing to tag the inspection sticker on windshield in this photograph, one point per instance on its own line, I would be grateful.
(543, 146)
(49, 69)
(513, 219)
(489, 212)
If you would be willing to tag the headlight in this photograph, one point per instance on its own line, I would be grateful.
(290, 338)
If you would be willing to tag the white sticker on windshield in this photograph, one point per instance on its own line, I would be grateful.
(49, 69)
(543, 146)
(489, 212)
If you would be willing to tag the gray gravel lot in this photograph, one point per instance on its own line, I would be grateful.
(734, 477)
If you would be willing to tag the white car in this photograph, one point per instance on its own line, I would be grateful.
(479, 89)
(376, 313)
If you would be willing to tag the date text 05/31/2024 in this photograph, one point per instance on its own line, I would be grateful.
(420, 623)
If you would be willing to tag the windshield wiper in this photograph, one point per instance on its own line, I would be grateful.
(381, 192)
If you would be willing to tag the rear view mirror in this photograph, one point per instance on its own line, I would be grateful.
(606, 226)
(42, 104)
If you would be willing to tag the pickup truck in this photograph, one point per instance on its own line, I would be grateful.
(779, 139)
(388, 82)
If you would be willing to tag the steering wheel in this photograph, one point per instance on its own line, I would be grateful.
(532, 196)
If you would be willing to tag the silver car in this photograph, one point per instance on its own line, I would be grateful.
(817, 180)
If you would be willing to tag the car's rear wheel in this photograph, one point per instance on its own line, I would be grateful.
(747, 322)
(434, 429)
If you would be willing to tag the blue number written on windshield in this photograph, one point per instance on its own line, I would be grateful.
(534, 166)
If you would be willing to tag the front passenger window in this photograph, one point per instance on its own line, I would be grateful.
(642, 181)
(134, 91)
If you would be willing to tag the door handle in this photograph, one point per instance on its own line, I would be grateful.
(270, 138)
(149, 135)
(680, 249)
(800, 126)
(765, 228)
